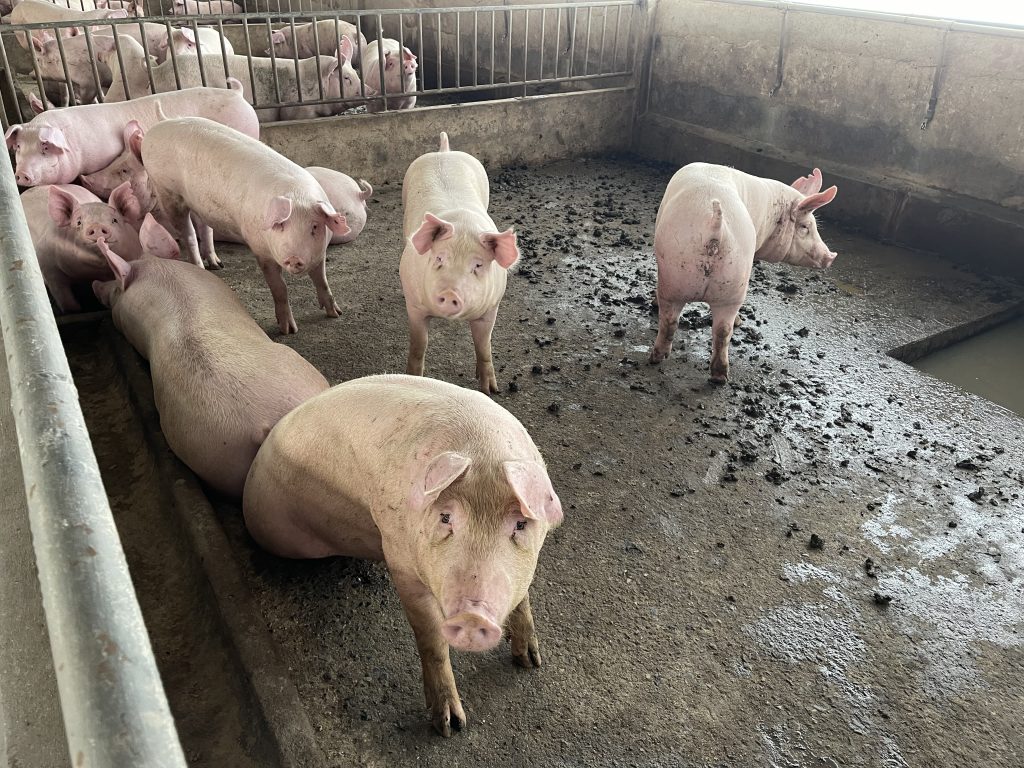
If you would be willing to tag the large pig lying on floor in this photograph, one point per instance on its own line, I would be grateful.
(59, 145)
(455, 263)
(249, 193)
(442, 483)
(219, 383)
(713, 222)
(67, 223)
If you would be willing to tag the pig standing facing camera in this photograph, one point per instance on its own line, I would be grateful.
(713, 222)
(455, 263)
(438, 481)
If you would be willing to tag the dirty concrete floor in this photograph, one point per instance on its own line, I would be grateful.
(819, 564)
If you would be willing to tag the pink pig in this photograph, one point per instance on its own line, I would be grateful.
(348, 198)
(61, 144)
(67, 223)
(249, 193)
(399, 74)
(713, 222)
(441, 483)
(455, 263)
(309, 43)
(174, 314)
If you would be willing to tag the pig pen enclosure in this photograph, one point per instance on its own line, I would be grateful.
(818, 564)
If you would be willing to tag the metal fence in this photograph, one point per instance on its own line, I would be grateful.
(509, 50)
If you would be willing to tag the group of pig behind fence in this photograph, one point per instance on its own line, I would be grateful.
(307, 69)
(439, 481)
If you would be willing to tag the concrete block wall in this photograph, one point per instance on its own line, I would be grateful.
(852, 97)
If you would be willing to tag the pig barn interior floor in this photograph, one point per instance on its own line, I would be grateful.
(790, 570)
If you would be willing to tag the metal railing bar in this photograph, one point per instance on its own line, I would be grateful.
(337, 54)
(543, 22)
(604, 37)
(558, 37)
(72, 96)
(112, 700)
(458, 49)
(493, 62)
(93, 63)
(173, 56)
(199, 53)
(586, 49)
(509, 34)
(526, 47)
(252, 71)
(9, 76)
(476, 51)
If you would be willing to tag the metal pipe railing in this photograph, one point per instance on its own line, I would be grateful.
(113, 703)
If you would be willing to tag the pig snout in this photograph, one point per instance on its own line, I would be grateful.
(448, 303)
(473, 628)
(96, 232)
(294, 265)
(24, 178)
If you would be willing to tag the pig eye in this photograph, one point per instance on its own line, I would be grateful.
(446, 518)
(520, 525)
(114, 221)
(804, 229)
(314, 230)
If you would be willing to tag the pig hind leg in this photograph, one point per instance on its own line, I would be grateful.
(523, 635)
(425, 617)
(723, 320)
(279, 291)
(419, 325)
(668, 321)
(481, 330)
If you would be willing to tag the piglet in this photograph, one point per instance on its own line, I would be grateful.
(713, 222)
(438, 481)
(219, 383)
(311, 39)
(399, 73)
(67, 223)
(455, 263)
(247, 192)
(348, 198)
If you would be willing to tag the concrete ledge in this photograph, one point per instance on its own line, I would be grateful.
(531, 130)
(963, 229)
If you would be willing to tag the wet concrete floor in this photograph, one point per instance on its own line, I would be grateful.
(819, 564)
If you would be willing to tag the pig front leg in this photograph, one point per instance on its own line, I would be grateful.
(207, 250)
(668, 322)
(723, 320)
(481, 329)
(425, 617)
(523, 635)
(419, 325)
(323, 291)
(275, 281)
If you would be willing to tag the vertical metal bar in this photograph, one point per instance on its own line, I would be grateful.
(92, 61)
(145, 51)
(633, 68)
(35, 67)
(423, 67)
(199, 51)
(615, 41)
(526, 49)
(458, 49)
(558, 38)
(72, 96)
(572, 43)
(476, 58)
(508, 32)
(604, 33)
(315, 26)
(173, 55)
(14, 90)
(120, 67)
(440, 76)
(381, 61)
(586, 50)
(543, 20)
(401, 50)
(494, 64)
(359, 49)
(273, 63)
(224, 49)
(295, 57)
(114, 707)
(248, 58)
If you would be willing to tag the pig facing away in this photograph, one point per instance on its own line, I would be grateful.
(713, 222)
(441, 483)
(246, 192)
(59, 145)
(67, 223)
(455, 263)
(219, 383)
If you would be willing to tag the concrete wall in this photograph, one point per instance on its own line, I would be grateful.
(508, 132)
(852, 97)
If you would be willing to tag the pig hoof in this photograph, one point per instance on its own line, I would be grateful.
(528, 657)
(657, 356)
(288, 327)
(213, 263)
(719, 378)
(448, 717)
(331, 307)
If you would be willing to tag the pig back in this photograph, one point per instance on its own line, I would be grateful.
(443, 181)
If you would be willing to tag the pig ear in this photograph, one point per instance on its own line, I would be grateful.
(187, 33)
(813, 202)
(532, 486)
(808, 185)
(39, 45)
(430, 230)
(408, 56)
(345, 49)
(129, 131)
(11, 137)
(277, 37)
(279, 210)
(124, 201)
(103, 44)
(502, 246)
(60, 206)
(442, 471)
(367, 190)
(133, 136)
(329, 67)
(54, 137)
(335, 221)
(36, 103)
(157, 241)
(122, 270)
